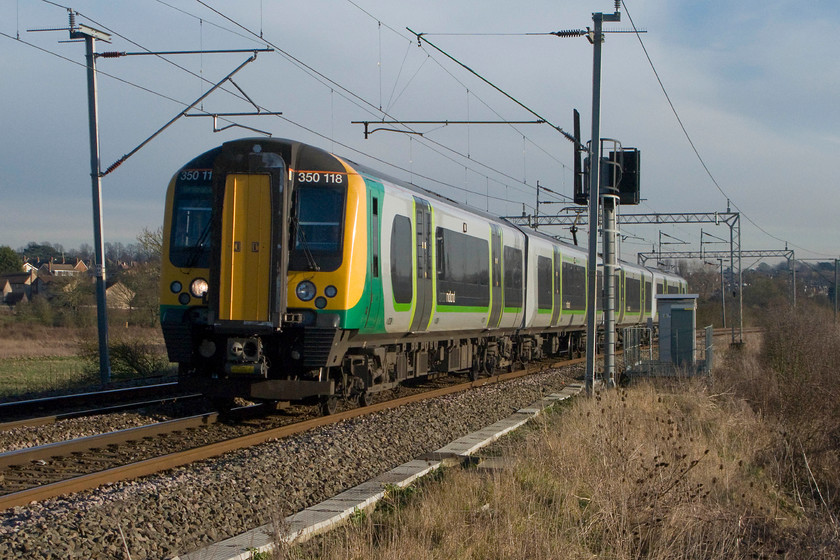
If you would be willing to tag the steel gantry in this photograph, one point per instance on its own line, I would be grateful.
(577, 216)
(787, 254)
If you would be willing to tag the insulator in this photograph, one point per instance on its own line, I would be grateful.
(114, 166)
(72, 19)
(569, 33)
(112, 54)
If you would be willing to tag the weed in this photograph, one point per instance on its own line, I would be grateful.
(397, 497)
(358, 517)
(258, 555)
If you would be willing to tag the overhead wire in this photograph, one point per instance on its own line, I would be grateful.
(138, 45)
(294, 59)
(83, 65)
(366, 105)
(128, 82)
(487, 105)
(310, 130)
(694, 147)
(169, 98)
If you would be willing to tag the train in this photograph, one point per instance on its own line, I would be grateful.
(292, 274)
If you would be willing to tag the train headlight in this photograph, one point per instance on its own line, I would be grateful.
(330, 291)
(175, 287)
(199, 287)
(305, 291)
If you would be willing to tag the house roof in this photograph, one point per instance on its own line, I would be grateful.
(50, 267)
(17, 277)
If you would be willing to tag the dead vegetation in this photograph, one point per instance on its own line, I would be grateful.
(740, 466)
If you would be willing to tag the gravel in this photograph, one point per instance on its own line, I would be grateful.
(28, 436)
(186, 508)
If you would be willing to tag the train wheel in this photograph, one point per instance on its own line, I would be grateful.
(223, 404)
(479, 364)
(329, 404)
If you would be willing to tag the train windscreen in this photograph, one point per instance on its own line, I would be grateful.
(189, 242)
(318, 229)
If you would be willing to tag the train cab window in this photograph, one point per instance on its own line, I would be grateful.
(317, 231)
(189, 243)
(401, 274)
(513, 277)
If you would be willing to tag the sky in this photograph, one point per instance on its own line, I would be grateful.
(754, 86)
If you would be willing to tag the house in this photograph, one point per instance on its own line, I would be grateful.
(118, 296)
(12, 299)
(16, 284)
(52, 268)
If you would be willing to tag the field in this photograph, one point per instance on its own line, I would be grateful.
(36, 358)
(744, 465)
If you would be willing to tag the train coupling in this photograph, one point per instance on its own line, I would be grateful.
(245, 357)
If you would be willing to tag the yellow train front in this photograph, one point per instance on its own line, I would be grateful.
(264, 262)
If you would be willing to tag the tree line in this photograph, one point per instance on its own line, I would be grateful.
(70, 300)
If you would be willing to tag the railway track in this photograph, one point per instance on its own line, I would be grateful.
(52, 470)
(26, 412)
(35, 421)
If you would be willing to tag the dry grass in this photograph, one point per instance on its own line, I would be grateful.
(35, 358)
(668, 476)
(30, 340)
(680, 471)
(792, 383)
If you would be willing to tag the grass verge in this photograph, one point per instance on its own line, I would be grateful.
(690, 469)
(37, 359)
(47, 374)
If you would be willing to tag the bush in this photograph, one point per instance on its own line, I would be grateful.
(130, 357)
(37, 311)
(792, 384)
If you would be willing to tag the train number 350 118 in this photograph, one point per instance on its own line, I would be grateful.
(307, 177)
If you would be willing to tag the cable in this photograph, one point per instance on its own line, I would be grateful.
(494, 86)
(171, 62)
(487, 105)
(83, 65)
(370, 106)
(694, 147)
(284, 118)
(829, 281)
(217, 26)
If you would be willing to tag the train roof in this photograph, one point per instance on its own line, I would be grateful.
(297, 147)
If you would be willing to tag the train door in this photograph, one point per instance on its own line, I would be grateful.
(424, 269)
(496, 293)
(244, 283)
(557, 285)
(375, 302)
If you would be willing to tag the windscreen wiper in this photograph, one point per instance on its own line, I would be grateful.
(310, 259)
(197, 250)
